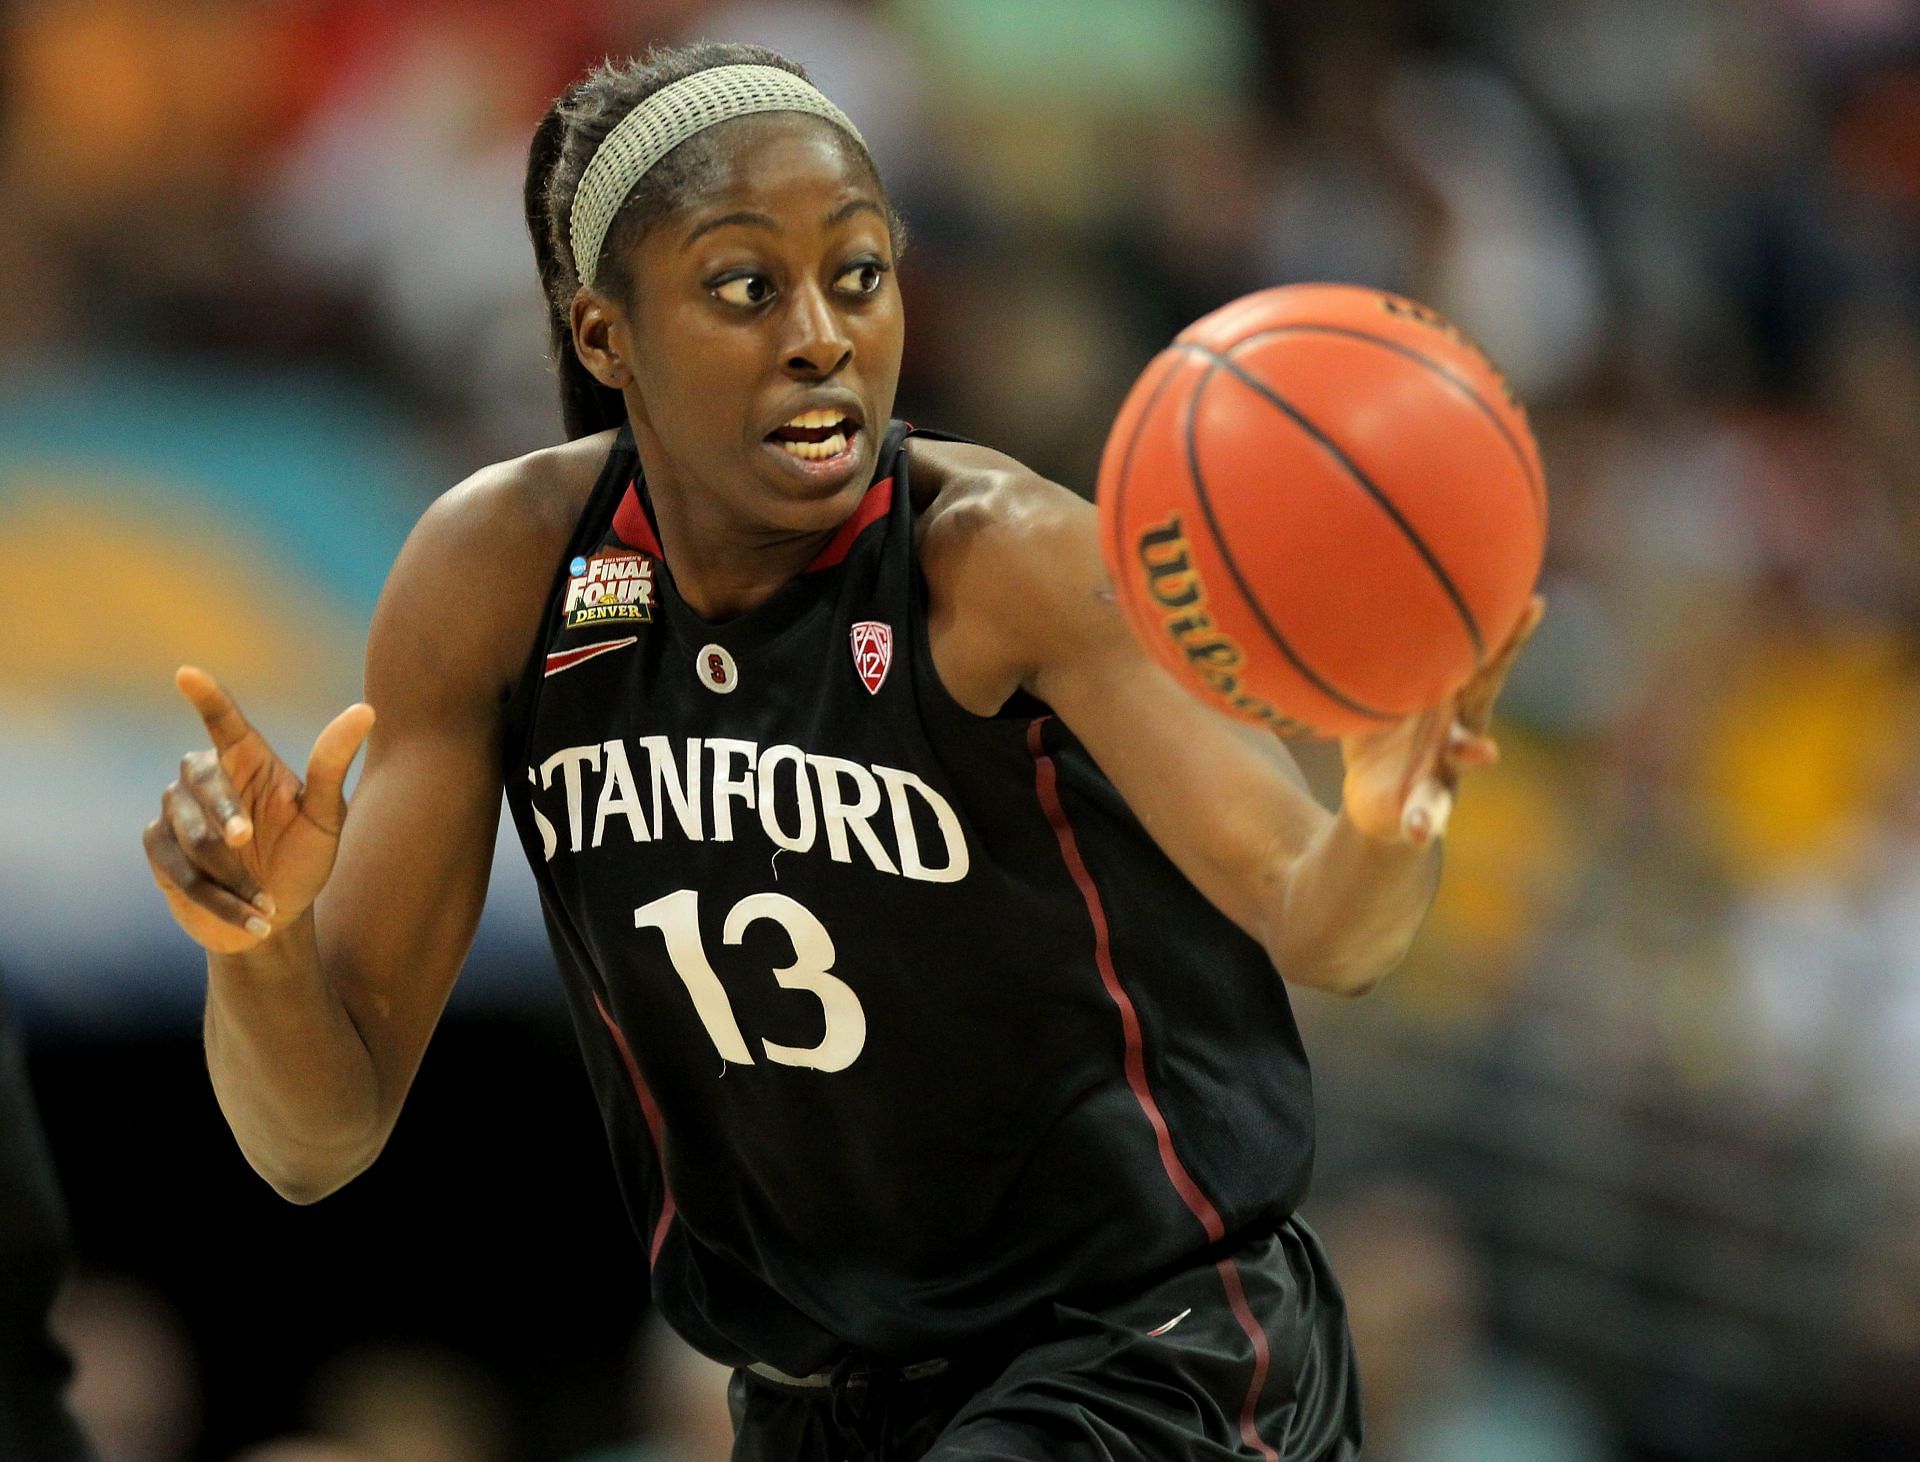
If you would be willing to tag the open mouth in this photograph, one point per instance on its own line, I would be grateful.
(816, 436)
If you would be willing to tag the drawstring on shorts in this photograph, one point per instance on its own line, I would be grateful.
(860, 1399)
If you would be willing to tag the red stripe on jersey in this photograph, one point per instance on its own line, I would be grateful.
(566, 659)
(1262, 1358)
(1046, 783)
(873, 507)
(632, 527)
(654, 1126)
(630, 523)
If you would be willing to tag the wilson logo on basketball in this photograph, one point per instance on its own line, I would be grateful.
(872, 652)
(1174, 584)
(612, 585)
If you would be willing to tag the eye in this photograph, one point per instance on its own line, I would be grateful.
(866, 276)
(745, 290)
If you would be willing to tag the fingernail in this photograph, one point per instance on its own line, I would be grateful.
(264, 903)
(259, 928)
(1425, 815)
(237, 828)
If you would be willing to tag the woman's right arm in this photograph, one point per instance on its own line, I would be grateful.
(315, 1031)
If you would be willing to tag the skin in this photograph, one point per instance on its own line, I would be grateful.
(333, 942)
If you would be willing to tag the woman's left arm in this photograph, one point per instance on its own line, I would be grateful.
(1020, 599)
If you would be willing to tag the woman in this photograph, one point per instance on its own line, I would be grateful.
(921, 936)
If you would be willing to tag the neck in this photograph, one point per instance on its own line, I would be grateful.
(722, 565)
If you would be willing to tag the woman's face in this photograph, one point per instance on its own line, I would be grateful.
(765, 329)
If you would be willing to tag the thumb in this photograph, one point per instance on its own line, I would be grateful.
(333, 752)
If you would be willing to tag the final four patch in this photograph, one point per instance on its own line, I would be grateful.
(614, 584)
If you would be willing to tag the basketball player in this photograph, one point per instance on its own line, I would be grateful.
(925, 943)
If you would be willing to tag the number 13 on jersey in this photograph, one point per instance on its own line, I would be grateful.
(677, 917)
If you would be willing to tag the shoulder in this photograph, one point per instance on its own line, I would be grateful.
(518, 507)
(1012, 568)
(972, 502)
(469, 585)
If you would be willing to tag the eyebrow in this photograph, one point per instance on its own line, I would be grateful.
(754, 219)
(852, 206)
(726, 220)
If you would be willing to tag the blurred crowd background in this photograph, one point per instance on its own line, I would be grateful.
(1622, 1165)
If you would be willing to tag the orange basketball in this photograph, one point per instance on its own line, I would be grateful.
(1322, 508)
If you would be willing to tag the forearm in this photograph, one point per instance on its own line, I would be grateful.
(1344, 910)
(290, 1070)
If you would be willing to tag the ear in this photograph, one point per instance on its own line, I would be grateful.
(602, 338)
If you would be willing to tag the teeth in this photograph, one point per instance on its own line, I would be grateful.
(817, 419)
(833, 446)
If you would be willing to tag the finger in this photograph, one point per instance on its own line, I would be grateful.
(175, 873)
(1479, 693)
(201, 772)
(222, 717)
(323, 801)
(197, 835)
(1424, 815)
(1465, 751)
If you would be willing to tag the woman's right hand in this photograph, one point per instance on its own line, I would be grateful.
(241, 847)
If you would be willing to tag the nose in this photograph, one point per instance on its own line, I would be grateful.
(817, 345)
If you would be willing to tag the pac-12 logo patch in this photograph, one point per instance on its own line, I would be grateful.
(872, 652)
(613, 584)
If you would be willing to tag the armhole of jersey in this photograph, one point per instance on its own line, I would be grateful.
(615, 474)
(1020, 707)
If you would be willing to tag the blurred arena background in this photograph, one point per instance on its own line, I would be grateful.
(1620, 1166)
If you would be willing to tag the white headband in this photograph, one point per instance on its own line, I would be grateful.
(665, 120)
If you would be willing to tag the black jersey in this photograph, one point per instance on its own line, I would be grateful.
(900, 1023)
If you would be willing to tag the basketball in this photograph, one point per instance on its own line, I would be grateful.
(1322, 508)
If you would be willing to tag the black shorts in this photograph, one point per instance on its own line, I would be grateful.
(1248, 1357)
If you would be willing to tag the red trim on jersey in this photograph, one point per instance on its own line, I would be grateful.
(630, 523)
(1262, 1358)
(651, 1112)
(566, 659)
(873, 507)
(631, 526)
(1046, 784)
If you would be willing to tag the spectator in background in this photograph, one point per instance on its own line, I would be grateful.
(1878, 1381)
(679, 1400)
(431, 128)
(136, 1388)
(1435, 1390)
(411, 1404)
(33, 1257)
(854, 55)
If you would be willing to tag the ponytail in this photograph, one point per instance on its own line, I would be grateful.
(586, 406)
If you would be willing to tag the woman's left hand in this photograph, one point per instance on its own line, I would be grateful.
(1399, 780)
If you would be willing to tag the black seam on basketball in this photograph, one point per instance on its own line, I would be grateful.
(1117, 517)
(1535, 488)
(1233, 569)
(1261, 389)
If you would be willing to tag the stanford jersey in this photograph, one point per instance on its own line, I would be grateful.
(901, 1024)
